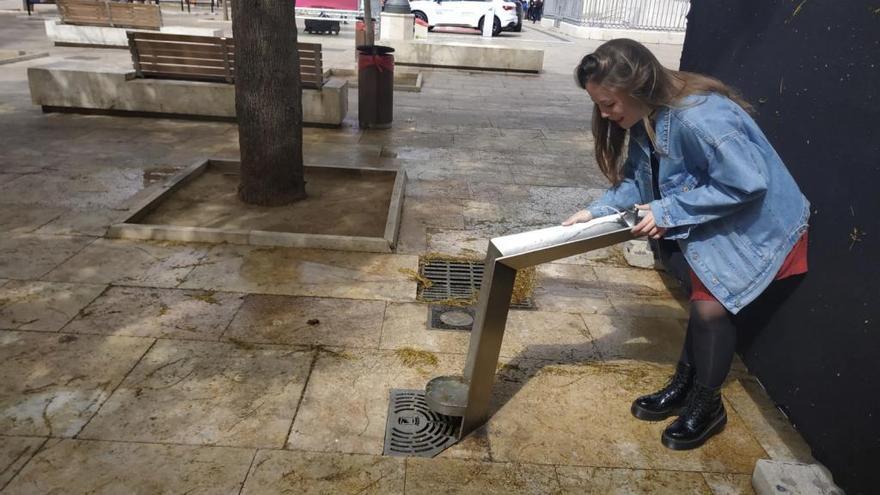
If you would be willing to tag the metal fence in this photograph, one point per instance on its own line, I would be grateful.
(662, 15)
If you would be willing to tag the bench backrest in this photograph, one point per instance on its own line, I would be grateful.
(205, 58)
(112, 14)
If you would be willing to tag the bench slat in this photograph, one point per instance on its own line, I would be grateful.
(206, 58)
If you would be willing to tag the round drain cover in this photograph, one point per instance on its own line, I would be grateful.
(457, 318)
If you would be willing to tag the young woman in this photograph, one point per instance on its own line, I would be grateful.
(707, 179)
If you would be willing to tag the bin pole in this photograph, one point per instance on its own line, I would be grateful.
(368, 22)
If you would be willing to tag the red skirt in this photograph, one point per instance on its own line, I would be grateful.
(795, 264)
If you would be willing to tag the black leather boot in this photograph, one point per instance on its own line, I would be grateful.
(667, 401)
(703, 417)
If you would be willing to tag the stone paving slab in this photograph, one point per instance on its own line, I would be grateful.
(432, 476)
(29, 256)
(201, 393)
(419, 215)
(102, 188)
(528, 334)
(405, 325)
(729, 484)
(91, 222)
(578, 414)
(657, 340)
(149, 264)
(43, 306)
(345, 405)
(160, 313)
(570, 288)
(77, 466)
(773, 431)
(636, 281)
(308, 321)
(650, 306)
(442, 190)
(6, 178)
(24, 222)
(15, 452)
(308, 473)
(601, 481)
(52, 384)
(467, 243)
(305, 272)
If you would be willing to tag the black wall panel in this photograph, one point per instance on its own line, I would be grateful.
(812, 69)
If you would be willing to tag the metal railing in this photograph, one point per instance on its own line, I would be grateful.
(660, 15)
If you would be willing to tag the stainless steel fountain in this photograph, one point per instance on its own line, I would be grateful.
(468, 396)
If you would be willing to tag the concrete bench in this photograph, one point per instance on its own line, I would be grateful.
(173, 83)
(110, 14)
(466, 56)
(104, 24)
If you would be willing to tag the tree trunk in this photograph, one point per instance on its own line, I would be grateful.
(268, 102)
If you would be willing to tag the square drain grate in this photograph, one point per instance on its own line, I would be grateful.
(413, 429)
(456, 280)
(443, 317)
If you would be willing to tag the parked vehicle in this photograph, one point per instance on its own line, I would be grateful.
(466, 13)
(520, 15)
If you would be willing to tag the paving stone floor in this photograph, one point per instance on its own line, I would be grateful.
(159, 367)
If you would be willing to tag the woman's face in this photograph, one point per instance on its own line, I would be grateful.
(617, 106)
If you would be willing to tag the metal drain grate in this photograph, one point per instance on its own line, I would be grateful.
(451, 318)
(451, 279)
(413, 429)
(456, 280)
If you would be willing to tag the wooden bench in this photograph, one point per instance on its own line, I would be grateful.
(110, 14)
(205, 58)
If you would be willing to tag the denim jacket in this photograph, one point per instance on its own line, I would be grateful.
(726, 196)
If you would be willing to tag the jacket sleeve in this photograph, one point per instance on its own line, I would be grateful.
(620, 197)
(737, 175)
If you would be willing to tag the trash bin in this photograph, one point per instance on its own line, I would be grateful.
(375, 86)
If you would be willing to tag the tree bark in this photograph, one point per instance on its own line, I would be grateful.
(268, 102)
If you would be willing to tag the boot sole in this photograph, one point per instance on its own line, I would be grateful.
(674, 444)
(648, 415)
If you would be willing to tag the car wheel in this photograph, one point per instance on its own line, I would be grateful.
(496, 28)
(418, 14)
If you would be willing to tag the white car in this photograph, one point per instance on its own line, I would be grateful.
(465, 13)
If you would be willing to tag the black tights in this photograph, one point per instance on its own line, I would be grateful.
(710, 342)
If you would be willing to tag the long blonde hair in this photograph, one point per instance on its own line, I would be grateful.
(628, 66)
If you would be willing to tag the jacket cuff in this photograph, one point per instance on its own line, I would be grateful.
(601, 210)
(660, 210)
(662, 219)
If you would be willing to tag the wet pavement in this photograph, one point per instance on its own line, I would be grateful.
(152, 367)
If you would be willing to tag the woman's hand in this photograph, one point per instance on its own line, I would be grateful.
(579, 217)
(647, 226)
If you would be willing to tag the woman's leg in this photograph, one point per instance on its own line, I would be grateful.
(670, 399)
(712, 336)
(713, 342)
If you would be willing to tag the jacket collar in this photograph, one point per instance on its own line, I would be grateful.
(661, 128)
(662, 123)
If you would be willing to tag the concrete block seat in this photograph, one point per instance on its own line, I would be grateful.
(466, 56)
(104, 24)
(200, 87)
